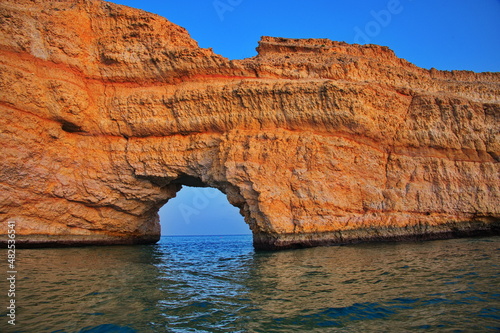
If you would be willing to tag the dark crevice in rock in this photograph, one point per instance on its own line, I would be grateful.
(70, 127)
(188, 180)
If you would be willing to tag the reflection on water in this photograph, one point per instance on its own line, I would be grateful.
(219, 284)
(73, 288)
(383, 287)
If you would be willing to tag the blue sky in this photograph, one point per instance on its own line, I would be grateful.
(201, 211)
(443, 34)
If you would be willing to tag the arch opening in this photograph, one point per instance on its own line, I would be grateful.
(200, 210)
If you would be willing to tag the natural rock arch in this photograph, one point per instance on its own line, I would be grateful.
(105, 109)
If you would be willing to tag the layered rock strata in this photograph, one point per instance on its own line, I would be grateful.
(106, 111)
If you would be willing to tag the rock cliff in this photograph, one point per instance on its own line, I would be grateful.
(106, 111)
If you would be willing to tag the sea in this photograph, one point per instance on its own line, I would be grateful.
(221, 284)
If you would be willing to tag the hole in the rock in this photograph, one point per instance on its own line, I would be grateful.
(200, 211)
(70, 127)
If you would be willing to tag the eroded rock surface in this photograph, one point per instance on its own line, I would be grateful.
(106, 111)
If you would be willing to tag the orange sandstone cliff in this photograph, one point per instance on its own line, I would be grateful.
(106, 111)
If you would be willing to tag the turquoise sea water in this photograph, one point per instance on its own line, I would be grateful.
(219, 284)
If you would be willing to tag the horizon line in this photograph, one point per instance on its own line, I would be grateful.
(250, 234)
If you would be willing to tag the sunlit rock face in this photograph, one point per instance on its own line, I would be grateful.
(106, 111)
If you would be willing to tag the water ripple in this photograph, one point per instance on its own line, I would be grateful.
(214, 284)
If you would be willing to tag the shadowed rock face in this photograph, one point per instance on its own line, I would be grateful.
(106, 111)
